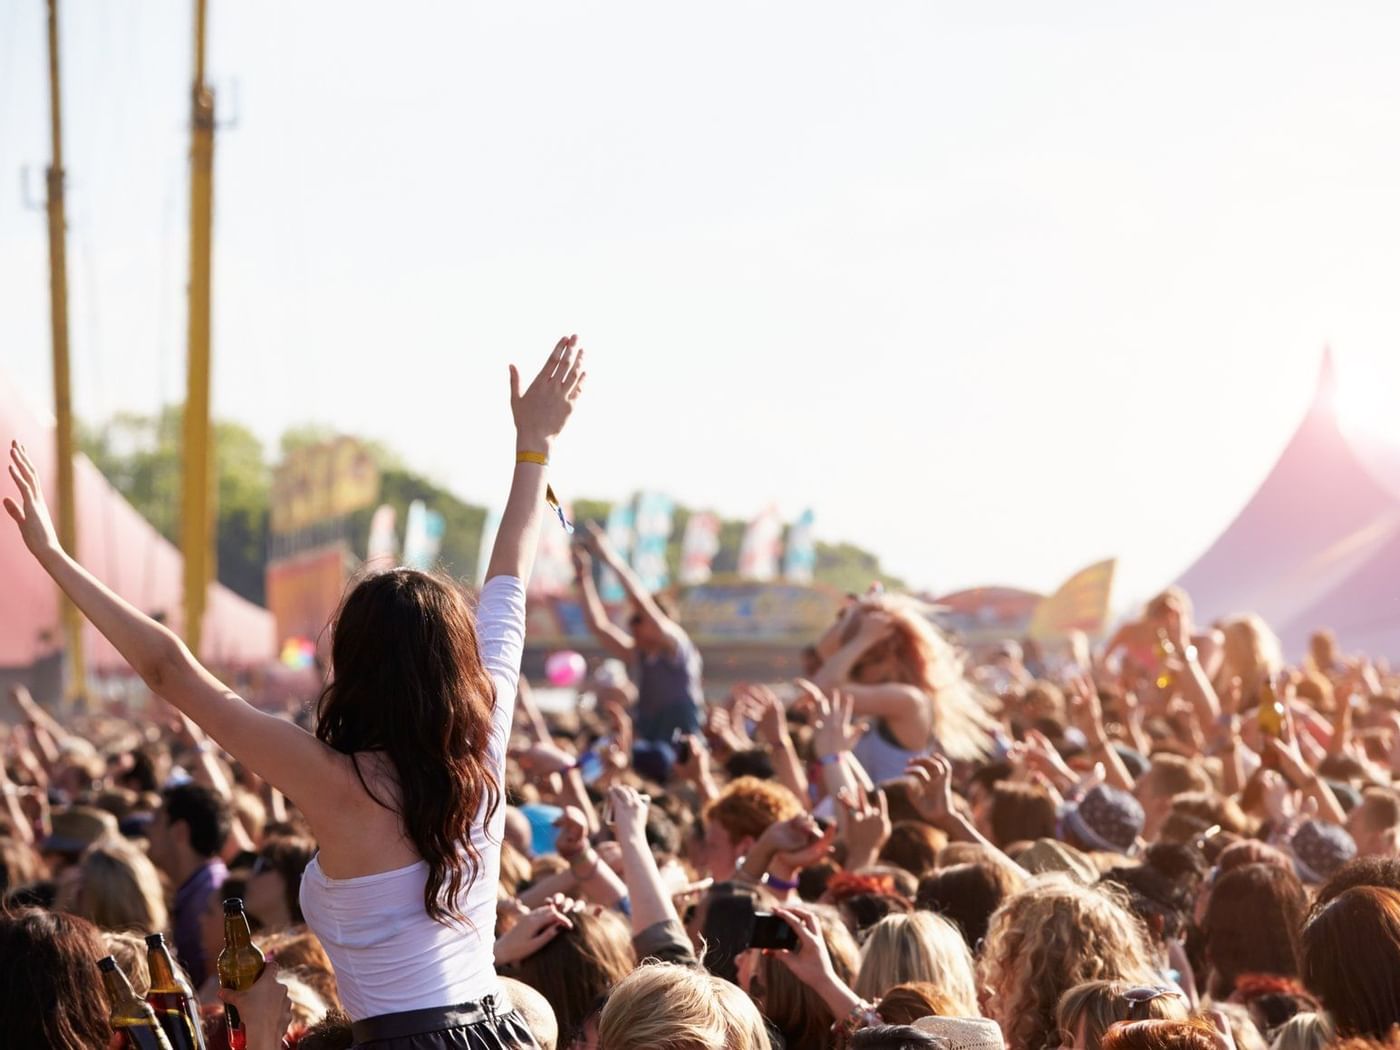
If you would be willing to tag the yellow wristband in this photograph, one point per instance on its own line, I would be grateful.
(532, 457)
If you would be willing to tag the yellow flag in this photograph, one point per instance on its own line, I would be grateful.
(1081, 604)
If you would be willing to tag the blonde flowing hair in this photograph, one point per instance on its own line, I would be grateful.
(1251, 651)
(120, 889)
(919, 654)
(662, 1005)
(919, 946)
(1045, 940)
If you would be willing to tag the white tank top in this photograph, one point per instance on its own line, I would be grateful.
(389, 956)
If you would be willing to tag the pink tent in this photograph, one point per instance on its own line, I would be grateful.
(123, 550)
(1317, 546)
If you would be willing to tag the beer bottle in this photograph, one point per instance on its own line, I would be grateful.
(1271, 719)
(240, 964)
(132, 1017)
(172, 998)
(1165, 650)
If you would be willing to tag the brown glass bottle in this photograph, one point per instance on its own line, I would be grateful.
(132, 1017)
(1272, 719)
(240, 964)
(172, 998)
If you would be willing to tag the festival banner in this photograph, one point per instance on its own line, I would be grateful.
(653, 532)
(316, 483)
(422, 536)
(800, 558)
(383, 542)
(621, 529)
(303, 592)
(763, 540)
(1081, 604)
(699, 547)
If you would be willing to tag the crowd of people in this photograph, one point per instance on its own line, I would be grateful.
(1174, 840)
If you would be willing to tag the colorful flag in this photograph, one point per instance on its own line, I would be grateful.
(699, 547)
(653, 532)
(1081, 604)
(800, 558)
(622, 519)
(422, 536)
(763, 540)
(383, 540)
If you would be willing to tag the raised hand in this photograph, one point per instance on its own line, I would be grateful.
(810, 962)
(834, 734)
(543, 408)
(31, 514)
(534, 931)
(932, 787)
(629, 811)
(867, 826)
(573, 833)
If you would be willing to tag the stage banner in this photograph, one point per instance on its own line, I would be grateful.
(422, 536)
(1081, 604)
(800, 558)
(699, 547)
(757, 612)
(383, 543)
(303, 593)
(758, 555)
(621, 530)
(653, 532)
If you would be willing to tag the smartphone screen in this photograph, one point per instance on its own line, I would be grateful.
(770, 931)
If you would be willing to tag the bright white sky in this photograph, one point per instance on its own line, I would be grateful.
(999, 289)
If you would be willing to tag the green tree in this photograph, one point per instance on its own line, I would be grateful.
(140, 456)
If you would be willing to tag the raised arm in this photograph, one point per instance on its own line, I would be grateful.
(540, 414)
(278, 751)
(631, 583)
(613, 638)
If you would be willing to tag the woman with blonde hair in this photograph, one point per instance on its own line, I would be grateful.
(1089, 1010)
(117, 887)
(679, 1008)
(919, 946)
(905, 676)
(1045, 940)
(1251, 653)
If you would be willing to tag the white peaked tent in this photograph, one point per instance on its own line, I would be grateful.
(1317, 546)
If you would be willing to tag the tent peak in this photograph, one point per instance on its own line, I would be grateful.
(1325, 392)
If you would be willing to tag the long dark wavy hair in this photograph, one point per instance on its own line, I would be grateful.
(407, 680)
(50, 991)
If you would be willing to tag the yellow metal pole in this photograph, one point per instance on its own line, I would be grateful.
(75, 683)
(197, 517)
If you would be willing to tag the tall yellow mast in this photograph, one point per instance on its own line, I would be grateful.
(75, 684)
(197, 515)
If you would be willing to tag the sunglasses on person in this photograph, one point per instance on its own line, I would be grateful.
(1145, 994)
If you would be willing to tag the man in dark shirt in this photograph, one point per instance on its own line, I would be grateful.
(664, 662)
(187, 836)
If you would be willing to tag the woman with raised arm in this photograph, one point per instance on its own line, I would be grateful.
(906, 678)
(401, 781)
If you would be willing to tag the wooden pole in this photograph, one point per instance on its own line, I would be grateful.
(75, 679)
(197, 517)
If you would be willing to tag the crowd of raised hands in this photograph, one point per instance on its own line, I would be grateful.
(1204, 851)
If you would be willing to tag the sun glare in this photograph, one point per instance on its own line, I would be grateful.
(1368, 402)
